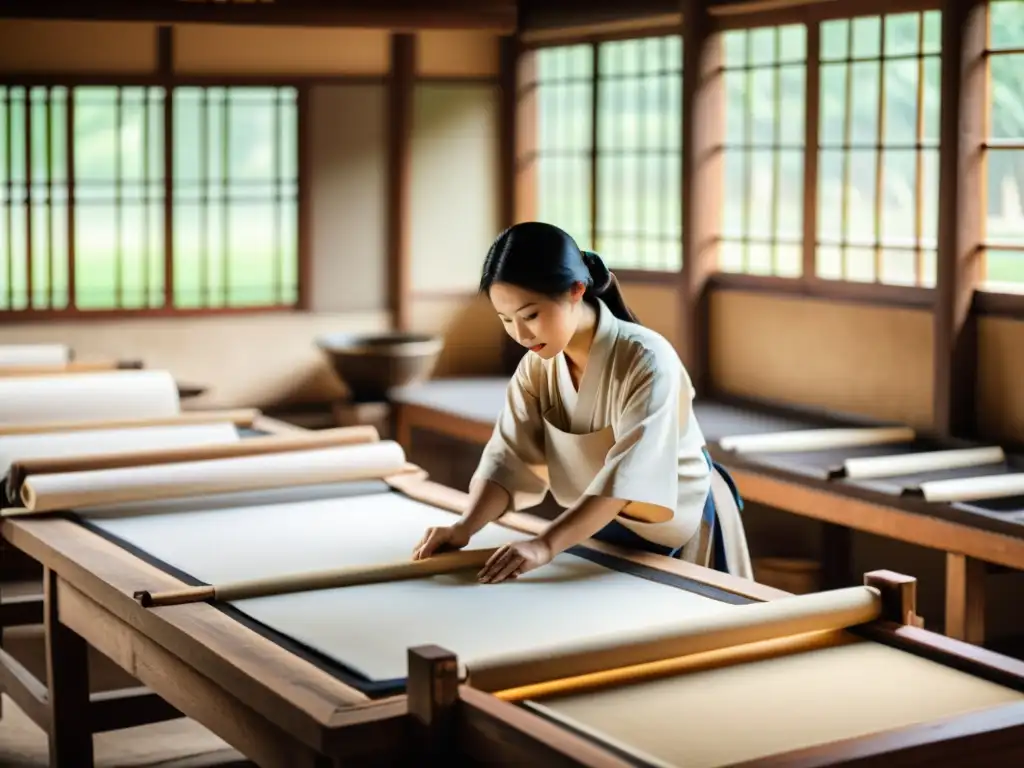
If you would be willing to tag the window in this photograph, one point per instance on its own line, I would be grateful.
(763, 200)
(639, 153)
(565, 87)
(878, 134)
(91, 162)
(1004, 222)
(622, 195)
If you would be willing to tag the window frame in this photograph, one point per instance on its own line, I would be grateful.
(302, 86)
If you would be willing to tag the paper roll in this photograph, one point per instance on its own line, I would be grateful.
(974, 488)
(242, 417)
(732, 626)
(911, 463)
(112, 395)
(79, 490)
(34, 354)
(815, 439)
(171, 452)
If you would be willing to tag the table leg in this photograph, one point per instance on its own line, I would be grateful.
(965, 598)
(836, 553)
(67, 667)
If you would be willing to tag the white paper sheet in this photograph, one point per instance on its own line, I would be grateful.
(369, 628)
(17, 355)
(88, 397)
(96, 442)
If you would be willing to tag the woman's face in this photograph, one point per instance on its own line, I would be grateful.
(541, 324)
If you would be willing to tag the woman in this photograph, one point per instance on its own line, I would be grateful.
(599, 412)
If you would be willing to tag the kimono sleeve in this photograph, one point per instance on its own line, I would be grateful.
(642, 466)
(514, 456)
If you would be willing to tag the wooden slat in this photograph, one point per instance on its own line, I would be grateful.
(128, 708)
(400, 119)
(28, 693)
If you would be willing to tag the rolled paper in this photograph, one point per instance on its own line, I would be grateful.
(34, 354)
(974, 488)
(242, 417)
(446, 562)
(79, 490)
(22, 454)
(912, 463)
(732, 626)
(88, 397)
(815, 439)
(195, 451)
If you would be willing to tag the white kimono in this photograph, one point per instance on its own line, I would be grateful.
(628, 433)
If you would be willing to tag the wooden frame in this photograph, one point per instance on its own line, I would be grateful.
(456, 720)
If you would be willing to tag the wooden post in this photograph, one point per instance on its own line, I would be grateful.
(961, 215)
(702, 130)
(401, 91)
(433, 691)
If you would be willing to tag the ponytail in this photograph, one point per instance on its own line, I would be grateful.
(605, 286)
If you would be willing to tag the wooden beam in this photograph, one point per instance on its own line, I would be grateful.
(961, 215)
(397, 15)
(702, 129)
(401, 92)
(508, 85)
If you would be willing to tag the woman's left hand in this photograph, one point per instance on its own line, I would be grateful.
(512, 560)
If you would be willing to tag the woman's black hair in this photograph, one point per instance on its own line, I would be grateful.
(544, 259)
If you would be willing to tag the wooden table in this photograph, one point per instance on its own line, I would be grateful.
(284, 707)
(972, 539)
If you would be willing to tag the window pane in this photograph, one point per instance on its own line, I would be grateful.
(1006, 111)
(638, 158)
(1007, 24)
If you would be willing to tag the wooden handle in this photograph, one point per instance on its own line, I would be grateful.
(240, 417)
(447, 562)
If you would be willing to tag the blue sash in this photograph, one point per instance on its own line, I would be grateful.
(618, 534)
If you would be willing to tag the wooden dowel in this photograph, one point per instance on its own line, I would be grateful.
(446, 562)
(241, 417)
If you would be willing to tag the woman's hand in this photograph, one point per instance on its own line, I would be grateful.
(512, 560)
(448, 537)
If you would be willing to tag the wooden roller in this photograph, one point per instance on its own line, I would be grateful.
(283, 443)
(240, 417)
(732, 626)
(63, 368)
(447, 562)
(816, 439)
(333, 464)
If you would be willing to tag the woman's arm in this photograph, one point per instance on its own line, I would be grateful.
(581, 521)
(487, 503)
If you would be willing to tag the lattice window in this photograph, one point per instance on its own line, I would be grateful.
(564, 128)
(763, 201)
(84, 194)
(639, 155)
(235, 197)
(878, 132)
(1004, 222)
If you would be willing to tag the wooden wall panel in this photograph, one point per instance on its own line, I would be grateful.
(220, 49)
(852, 358)
(455, 192)
(1000, 387)
(474, 337)
(348, 141)
(77, 47)
(657, 307)
(457, 53)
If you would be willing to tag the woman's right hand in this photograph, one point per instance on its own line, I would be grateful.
(447, 537)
